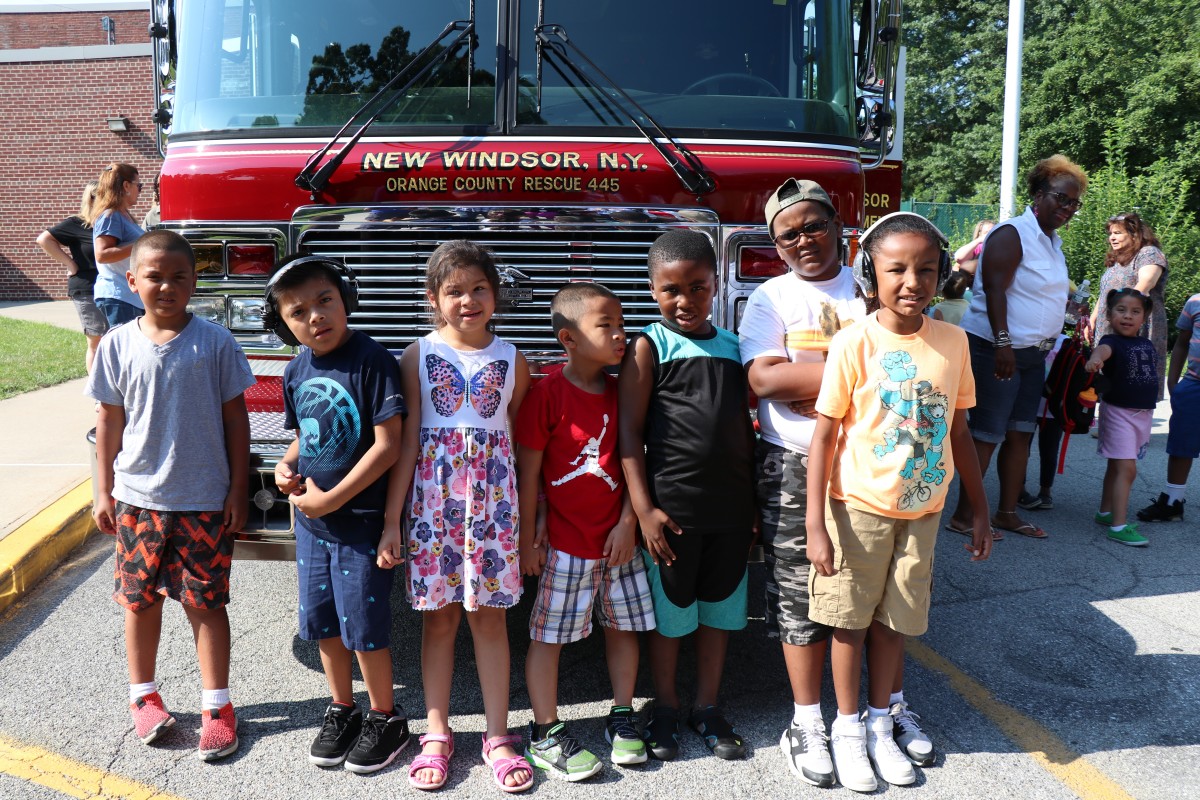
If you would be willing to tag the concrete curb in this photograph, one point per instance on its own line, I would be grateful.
(38, 546)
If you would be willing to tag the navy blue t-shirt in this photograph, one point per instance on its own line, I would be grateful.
(1132, 371)
(334, 401)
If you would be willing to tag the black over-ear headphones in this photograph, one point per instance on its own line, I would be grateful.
(864, 270)
(341, 276)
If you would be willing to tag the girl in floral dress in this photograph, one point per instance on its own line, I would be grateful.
(463, 386)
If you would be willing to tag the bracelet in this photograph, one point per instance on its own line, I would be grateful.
(1002, 339)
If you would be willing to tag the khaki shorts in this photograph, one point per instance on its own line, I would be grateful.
(885, 571)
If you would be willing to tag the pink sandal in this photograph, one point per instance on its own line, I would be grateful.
(438, 762)
(503, 767)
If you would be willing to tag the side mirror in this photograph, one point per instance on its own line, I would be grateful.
(877, 62)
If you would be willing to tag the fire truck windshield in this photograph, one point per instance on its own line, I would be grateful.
(764, 69)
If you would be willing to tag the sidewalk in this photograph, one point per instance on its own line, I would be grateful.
(44, 467)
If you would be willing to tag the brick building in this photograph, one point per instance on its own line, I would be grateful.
(60, 81)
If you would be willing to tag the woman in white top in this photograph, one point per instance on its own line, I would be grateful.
(1016, 313)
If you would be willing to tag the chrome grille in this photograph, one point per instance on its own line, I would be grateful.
(548, 247)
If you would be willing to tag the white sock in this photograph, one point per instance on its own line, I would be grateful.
(213, 699)
(802, 714)
(139, 690)
(876, 712)
(897, 697)
(1175, 493)
(845, 720)
(1116, 528)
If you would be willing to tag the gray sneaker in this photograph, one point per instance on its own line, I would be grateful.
(806, 748)
(913, 741)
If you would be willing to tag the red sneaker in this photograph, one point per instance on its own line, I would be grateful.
(150, 717)
(218, 733)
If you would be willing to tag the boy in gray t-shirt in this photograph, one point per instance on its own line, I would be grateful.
(173, 445)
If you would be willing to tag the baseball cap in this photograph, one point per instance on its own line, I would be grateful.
(795, 191)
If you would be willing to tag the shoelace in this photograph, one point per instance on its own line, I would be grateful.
(623, 726)
(907, 719)
(567, 743)
(812, 735)
(372, 729)
(335, 725)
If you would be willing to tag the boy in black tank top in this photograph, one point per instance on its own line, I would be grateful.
(687, 449)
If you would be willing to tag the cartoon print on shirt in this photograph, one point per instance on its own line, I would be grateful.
(915, 419)
(329, 423)
(590, 456)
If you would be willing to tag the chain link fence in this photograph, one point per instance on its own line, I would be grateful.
(956, 220)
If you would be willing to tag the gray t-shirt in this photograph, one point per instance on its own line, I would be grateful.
(172, 454)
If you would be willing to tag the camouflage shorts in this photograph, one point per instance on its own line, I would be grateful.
(781, 486)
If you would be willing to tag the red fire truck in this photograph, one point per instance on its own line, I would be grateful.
(565, 136)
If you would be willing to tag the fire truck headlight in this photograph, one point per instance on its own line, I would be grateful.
(210, 308)
(246, 314)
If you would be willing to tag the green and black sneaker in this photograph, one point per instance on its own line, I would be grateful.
(560, 754)
(621, 731)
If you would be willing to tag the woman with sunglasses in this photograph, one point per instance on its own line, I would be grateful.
(1015, 317)
(113, 234)
(1135, 260)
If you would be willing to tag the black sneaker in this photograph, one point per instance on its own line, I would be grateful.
(718, 735)
(383, 737)
(1029, 501)
(1162, 511)
(661, 733)
(620, 729)
(338, 732)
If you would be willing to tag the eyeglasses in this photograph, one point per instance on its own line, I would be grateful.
(813, 230)
(1064, 200)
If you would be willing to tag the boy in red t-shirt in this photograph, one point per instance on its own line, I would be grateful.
(567, 448)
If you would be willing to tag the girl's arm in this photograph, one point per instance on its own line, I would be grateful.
(820, 465)
(520, 388)
(962, 446)
(400, 478)
(237, 448)
(634, 386)
(53, 248)
(1099, 356)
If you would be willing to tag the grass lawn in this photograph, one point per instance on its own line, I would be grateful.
(33, 355)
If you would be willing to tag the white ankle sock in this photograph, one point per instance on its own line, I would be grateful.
(139, 690)
(802, 714)
(876, 712)
(897, 697)
(1116, 528)
(212, 699)
(1175, 493)
(845, 720)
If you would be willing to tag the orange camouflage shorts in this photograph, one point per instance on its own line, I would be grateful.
(184, 555)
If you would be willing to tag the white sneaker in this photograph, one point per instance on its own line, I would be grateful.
(806, 748)
(913, 741)
(849, 747)
(885, 754)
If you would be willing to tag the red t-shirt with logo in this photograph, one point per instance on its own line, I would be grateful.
(581, 472)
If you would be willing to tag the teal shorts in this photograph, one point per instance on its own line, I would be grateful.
(673, 621)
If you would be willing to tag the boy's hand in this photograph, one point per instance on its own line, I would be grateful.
(541, 527)
(312, 500)
(820, 549)
(390, 551)
(532, 557)
(235, 511)
(981, 538)
(621, 544)
(105, 514)
(287, 479)
(653, 522)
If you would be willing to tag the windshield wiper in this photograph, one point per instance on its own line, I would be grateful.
(684, 163)
(306, 179)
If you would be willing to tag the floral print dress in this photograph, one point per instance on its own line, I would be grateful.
(462, 521)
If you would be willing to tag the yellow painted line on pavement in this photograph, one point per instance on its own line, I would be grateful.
(1050, 752)
(71, 778)
(39, 545)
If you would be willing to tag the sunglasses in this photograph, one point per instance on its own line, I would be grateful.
(813, 230)
(1064, 200)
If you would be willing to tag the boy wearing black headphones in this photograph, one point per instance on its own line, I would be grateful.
(342, 397)
(894, 393)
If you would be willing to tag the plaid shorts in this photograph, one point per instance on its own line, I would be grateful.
(184, 555)
(571, 590)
